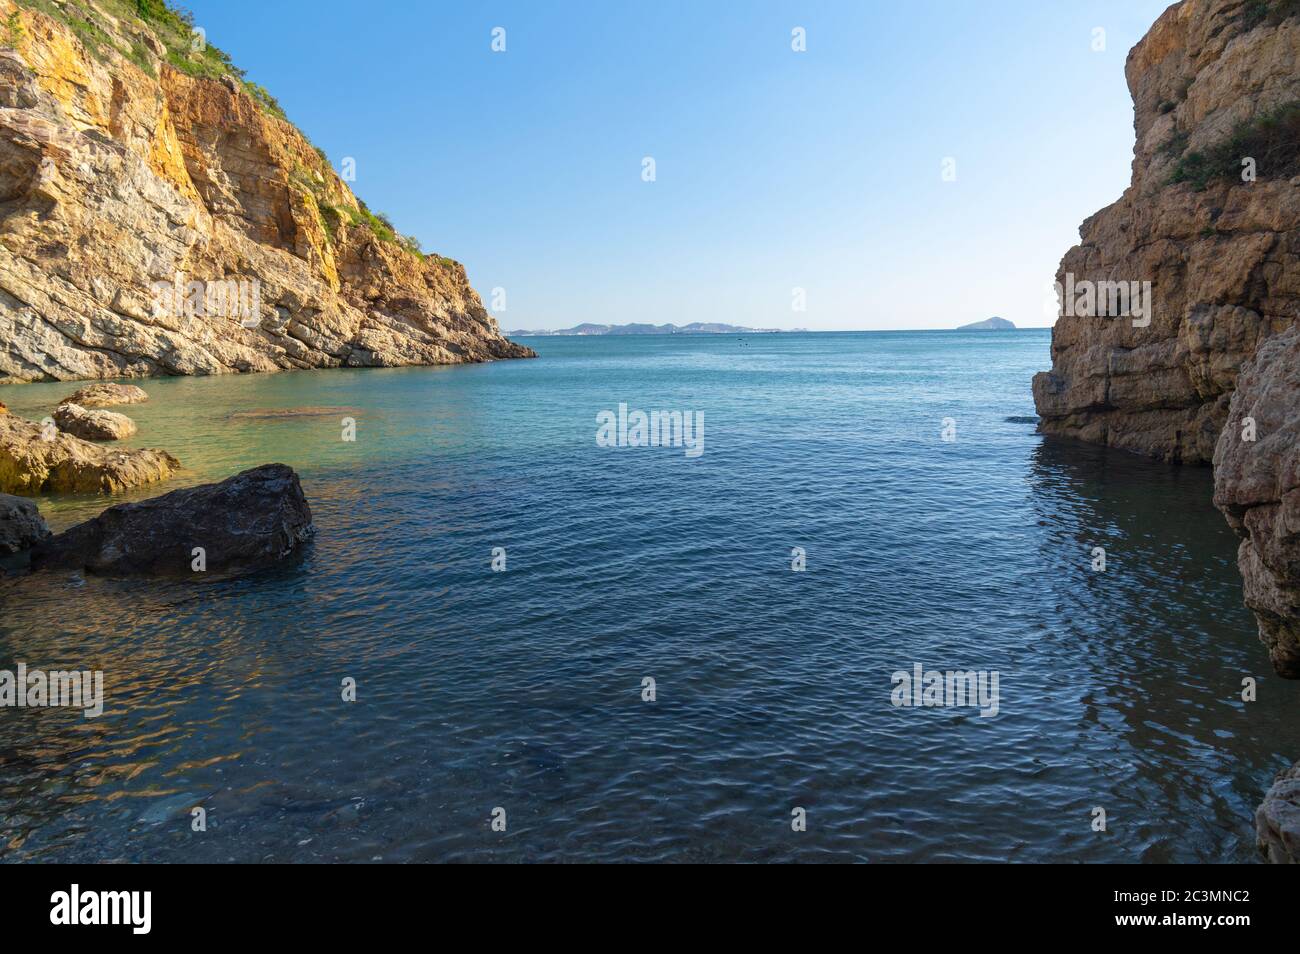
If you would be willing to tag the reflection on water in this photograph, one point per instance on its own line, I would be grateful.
(523, 689)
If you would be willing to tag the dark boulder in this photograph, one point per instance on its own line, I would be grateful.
(248, 521)
(21, 525)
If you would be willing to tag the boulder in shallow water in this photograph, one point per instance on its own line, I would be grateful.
(1277, 820)
(106, 394)
(36, 458)
(251, 520)
(92, 424)
(21, 525)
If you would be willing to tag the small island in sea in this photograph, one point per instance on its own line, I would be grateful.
(988, 324)
(643, 328)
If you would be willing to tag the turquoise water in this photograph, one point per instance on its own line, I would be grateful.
(522, 689)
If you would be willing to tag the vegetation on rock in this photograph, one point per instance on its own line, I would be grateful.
(1271, 139)
(189, 51)
(1268, 12)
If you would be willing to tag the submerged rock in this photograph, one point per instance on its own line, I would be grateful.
(278, 413)
(21, 525)
(251, 520)
(36, 458)
(93, 424)
(107, 394)
(1277, 820)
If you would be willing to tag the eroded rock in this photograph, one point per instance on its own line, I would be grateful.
(254, 519)
(1277, 820)
(1257, 486)
(1211, 370)
(124, 187)
(93, 424)
(21, 524)
(37, 458)
(1223, 262)
(106, 394)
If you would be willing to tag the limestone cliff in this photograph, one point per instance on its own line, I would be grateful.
(1212, 221)
(158, 215)
(1210, 80)
(1207, 368)
(1257, 486)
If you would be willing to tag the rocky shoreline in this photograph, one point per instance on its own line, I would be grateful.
(1189, 350)
(249, 521)
(65, 453)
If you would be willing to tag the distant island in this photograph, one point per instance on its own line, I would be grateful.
(694, 328)
(989, 324)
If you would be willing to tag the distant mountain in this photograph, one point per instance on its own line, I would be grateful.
(694, 328)
(989, 324)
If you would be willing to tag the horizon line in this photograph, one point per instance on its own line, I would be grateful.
(547, 332)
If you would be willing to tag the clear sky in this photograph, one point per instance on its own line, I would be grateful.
(774, 169)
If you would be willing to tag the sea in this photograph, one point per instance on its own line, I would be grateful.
(513, 640)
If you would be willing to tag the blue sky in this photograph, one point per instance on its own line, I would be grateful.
(775, 170)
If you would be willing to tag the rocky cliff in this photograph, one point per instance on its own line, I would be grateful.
(1257, 486)
(1214, 83)
(1199, 363)
(158, 215)
(1179, 334)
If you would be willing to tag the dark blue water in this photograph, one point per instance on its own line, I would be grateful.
(523, 689)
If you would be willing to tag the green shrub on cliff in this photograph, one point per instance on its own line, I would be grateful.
(80, 19)
(13, 30)
(174, 29)
(139, 55)
(1271, 139)
(265, 99)
(186, 48)
(1271, 12)
(380, 225)
(158, 13)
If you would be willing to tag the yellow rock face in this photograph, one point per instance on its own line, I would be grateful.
(165, 157)
(200, 185)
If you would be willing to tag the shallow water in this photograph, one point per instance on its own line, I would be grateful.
(522, 689)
